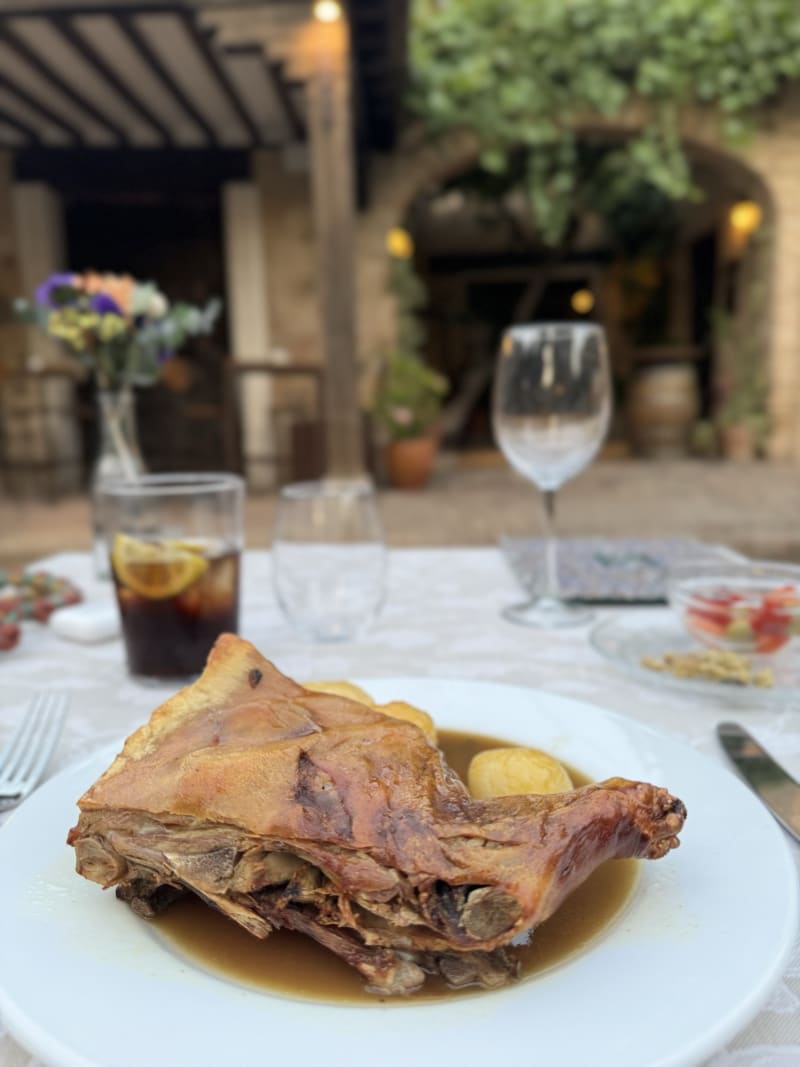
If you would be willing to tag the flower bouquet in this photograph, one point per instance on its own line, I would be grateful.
(121, 329)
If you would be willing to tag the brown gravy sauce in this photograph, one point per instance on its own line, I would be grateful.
(292, 965)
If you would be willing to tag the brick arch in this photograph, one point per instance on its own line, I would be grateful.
(771, 160)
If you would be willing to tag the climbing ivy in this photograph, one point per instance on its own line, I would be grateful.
(519, 74)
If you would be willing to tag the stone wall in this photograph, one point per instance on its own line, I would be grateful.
(772, 158)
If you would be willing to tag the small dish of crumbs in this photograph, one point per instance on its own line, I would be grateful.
(648, 645)
(716, 665)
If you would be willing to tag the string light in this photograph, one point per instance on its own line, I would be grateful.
(582, 301)
(327, 10)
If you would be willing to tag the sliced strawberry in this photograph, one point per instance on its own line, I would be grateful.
(696, 620)
(785, 596)
(770, 642)
(709, 619)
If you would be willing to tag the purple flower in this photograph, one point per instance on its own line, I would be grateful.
(103, 304)
(45, 293)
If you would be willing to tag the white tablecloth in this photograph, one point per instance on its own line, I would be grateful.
(441, 619)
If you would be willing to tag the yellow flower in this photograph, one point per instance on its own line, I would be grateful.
(399, 243)
(62, 324)
(88, 320)
(111, 326)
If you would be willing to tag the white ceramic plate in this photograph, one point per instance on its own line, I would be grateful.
(698, 950)
(625, 639)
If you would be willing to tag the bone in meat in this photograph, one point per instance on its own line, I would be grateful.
(288, 808)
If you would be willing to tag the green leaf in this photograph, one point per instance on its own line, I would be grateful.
(518, 72)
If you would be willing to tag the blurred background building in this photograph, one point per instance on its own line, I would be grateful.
(175, 141)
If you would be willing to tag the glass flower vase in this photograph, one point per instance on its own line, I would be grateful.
(118, 456)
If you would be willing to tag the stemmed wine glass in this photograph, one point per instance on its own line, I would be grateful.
(551, 407)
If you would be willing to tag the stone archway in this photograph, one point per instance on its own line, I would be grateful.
(772, 158)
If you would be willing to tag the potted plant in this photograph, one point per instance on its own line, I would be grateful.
(741, 417)
(407, 406)
(409, 394)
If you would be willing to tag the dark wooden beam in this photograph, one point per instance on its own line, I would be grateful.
(92, 57)
(221, 75)
(36, 105)
(293, 116)
(21, 49)
(151, 58)
(77, 10)
(17, 124)
(97, 172)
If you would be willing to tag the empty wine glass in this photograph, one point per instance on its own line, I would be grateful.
(551, 407)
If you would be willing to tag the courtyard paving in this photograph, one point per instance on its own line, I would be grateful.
(473, 500)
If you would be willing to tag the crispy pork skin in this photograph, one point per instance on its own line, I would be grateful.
(289, 808)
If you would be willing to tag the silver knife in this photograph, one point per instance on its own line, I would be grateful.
(765, 776)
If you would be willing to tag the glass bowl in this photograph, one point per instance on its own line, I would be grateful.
(751, 607)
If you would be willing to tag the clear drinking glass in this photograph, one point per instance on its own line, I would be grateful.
(329, 557)
(551, 408)
(174, 542)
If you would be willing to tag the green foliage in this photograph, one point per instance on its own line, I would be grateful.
(741, 340)
(410, 298)
(741, 350)
(409, 395)
(520, 73)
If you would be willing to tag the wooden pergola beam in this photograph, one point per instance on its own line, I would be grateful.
(47, 113)
(32, 59)
(137, 38)
(96, 61)
(333, 192)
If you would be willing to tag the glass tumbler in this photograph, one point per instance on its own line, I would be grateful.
(174, 541)
(329, 558)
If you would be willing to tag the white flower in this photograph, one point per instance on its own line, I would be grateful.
(403, 416)
(157, 306)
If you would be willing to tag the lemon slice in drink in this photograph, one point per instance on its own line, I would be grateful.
(156, 569)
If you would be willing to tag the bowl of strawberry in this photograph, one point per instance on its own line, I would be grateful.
(750, 606)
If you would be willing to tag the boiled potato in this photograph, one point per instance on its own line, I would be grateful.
(502, 772)
(398, 709)
(342, 689)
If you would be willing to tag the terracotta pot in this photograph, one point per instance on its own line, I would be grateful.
(409, 461)
(738, 442)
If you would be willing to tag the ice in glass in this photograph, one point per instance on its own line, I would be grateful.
(175, 543)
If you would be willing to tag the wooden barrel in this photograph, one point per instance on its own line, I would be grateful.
(663, 403)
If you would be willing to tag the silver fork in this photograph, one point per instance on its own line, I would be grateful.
(25, 756)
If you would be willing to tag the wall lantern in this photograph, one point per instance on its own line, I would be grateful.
(745, 217)
(582, 301)
(327, 10)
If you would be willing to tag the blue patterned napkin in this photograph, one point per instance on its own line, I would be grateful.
(610, 570)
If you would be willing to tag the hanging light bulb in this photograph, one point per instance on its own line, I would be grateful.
(745, 217)
(582, 301)
(327, 10)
